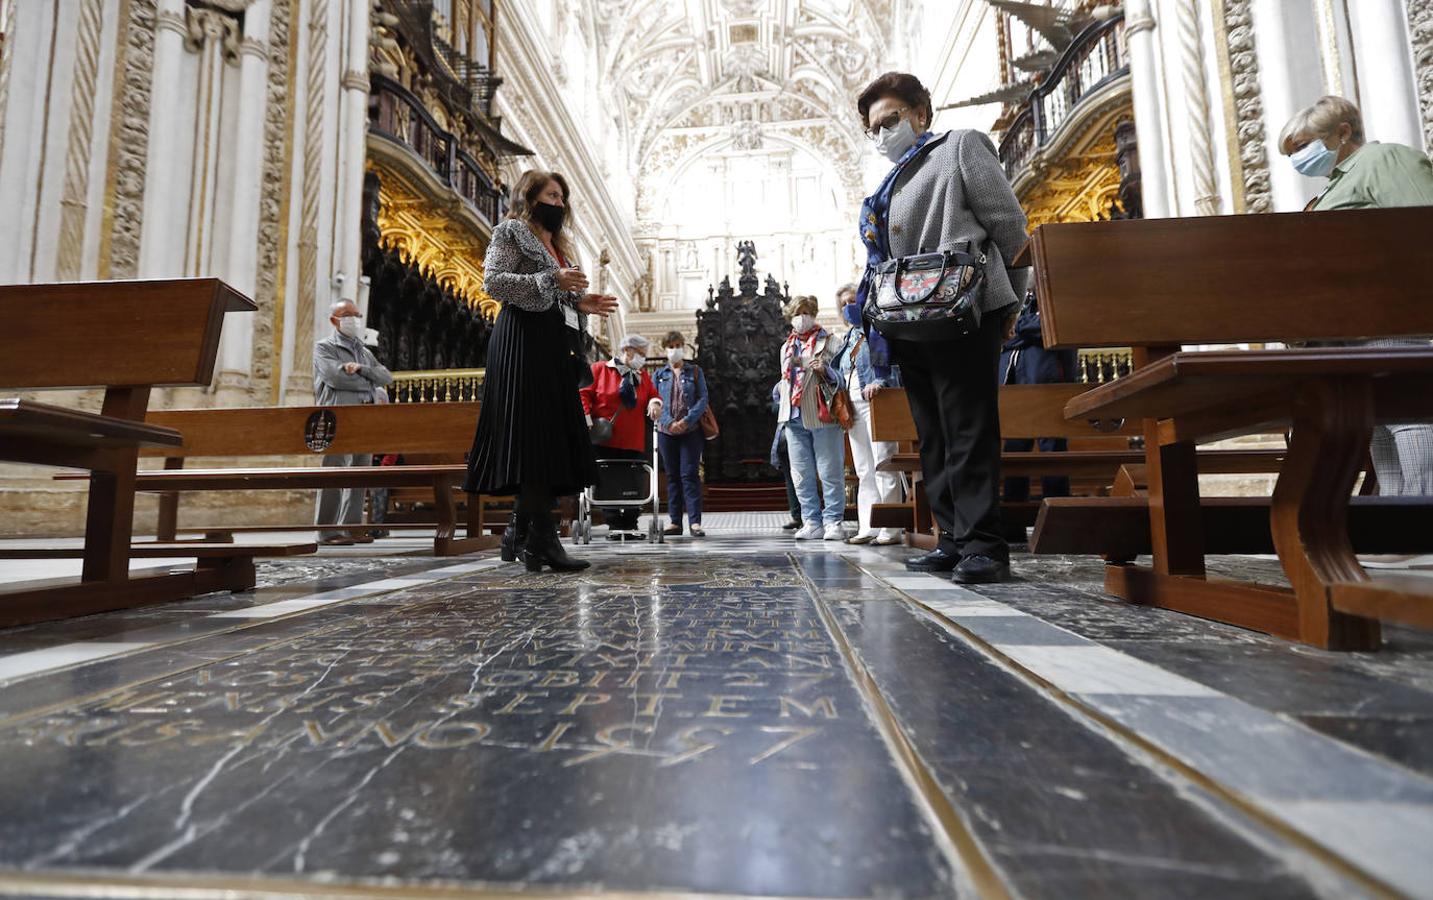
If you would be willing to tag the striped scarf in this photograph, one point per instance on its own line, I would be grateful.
(791, 352)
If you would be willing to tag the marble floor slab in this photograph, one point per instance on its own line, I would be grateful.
(740, 715)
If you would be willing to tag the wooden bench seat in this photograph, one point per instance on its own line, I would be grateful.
(157, 550)
(1162, 285)
(419, 431)
(134, 336)
(45, 433)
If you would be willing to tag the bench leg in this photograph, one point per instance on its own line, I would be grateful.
(1176, 527)
(445, 541)
(1333, 422)
(109, 519)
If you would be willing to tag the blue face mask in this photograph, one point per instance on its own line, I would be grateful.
(1315, 160)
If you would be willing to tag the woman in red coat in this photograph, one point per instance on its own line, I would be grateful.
(621, 391)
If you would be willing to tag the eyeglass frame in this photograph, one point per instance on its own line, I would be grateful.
(888, 122)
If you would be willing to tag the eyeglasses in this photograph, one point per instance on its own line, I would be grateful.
(890, 120)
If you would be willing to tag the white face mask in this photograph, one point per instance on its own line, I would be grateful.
(676, 354)
(636, 360)
(892, 143)
(350, 326)
(803, 323)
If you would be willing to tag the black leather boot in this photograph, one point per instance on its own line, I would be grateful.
(543, 547)
(514, 537)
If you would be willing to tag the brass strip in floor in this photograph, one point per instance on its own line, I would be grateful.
(124, 886)
(971, 856)
(1118, 731)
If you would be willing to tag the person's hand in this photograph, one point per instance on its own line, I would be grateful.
(679, 427)
(351, 368)
(571, 280)
(818, 366)
(1010, 327)
(654, 410)
(870, 391)
(598, 304)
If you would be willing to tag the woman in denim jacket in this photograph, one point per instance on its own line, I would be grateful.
(683, 389)
(853, 360)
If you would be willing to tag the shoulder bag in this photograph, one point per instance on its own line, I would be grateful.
(929, 296)
(708, 422)
(838, 400)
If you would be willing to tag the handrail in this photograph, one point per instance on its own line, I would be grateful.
(396, 113)
(1095, 57)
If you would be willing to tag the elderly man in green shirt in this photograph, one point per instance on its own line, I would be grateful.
(1327, 140)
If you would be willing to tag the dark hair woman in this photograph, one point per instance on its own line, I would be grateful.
(532, 438)
(946, 192)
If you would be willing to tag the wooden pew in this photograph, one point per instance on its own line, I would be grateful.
(128, 337)
(1026, 411)
(1156, 285)
(440, 429)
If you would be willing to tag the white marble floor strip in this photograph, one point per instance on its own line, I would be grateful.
(32, 662)
(1375, 814)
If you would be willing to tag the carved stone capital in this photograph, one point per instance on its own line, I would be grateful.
(171, 21)
(354, 80)
(255, 48)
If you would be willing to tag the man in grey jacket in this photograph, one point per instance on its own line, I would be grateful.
(344, 373)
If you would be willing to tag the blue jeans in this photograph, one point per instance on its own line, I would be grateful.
(682, 458)
(818, 455)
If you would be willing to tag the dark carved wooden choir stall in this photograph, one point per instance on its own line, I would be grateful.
(422, 325)
(739, 339)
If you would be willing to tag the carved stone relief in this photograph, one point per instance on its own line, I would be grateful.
(1420, 29)
(272, 198)
(1248, 105)
(129, 145)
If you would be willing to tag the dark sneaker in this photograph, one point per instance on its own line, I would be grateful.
(937, 560)
(672, 530)
(793, 525)
(977, 569)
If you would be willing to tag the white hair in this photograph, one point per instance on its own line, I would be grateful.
(1322, 121)
(634, 342)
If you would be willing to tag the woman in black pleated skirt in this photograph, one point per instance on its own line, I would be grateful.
(532, 439)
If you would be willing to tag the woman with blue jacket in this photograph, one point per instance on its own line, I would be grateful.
(683, 390)
(853, 360)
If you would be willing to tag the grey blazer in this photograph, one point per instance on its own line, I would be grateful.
(334, 387)
(957, 191)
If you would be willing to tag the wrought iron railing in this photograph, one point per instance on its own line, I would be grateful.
(395, 113)
(439, 386)
(1098, 55)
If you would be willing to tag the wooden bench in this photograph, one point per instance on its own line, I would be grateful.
(414, 429)
(128, 337)
(1157, 285)
(1026, 411)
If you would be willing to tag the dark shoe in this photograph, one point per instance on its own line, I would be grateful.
(978, 569)
(514, 536)
(336, 540)
(937, 560)
(697, 530)
(793, 525)
(544, 548)
(379, 533)
(672, 530)
(363, 539)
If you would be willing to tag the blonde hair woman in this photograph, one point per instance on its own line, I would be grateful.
(1326, 140)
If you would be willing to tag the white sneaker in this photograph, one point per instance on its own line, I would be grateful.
(887, 537)
(809, 533)
(834, 533)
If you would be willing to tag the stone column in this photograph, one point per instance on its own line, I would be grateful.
(1291, 77)
(1383, 59)
(1148, 111)
(237, 346)
(161, 251)
(353, 150)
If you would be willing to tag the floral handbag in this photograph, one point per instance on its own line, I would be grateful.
(929, 296)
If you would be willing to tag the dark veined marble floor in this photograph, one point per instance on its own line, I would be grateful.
(743, 715)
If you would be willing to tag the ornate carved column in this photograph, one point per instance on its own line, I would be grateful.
(237, 347)
(300, 379)
(1196, 98)
(74, 202)
(1148, 108)
(352, 148)
(161, 242)
(1386, 88)
(1420, 29)
(1249, 144)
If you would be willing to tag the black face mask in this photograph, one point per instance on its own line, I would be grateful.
(549, 216)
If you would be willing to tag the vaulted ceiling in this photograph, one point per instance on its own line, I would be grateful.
(685, 74)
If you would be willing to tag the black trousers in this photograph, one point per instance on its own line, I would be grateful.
(953, 389)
